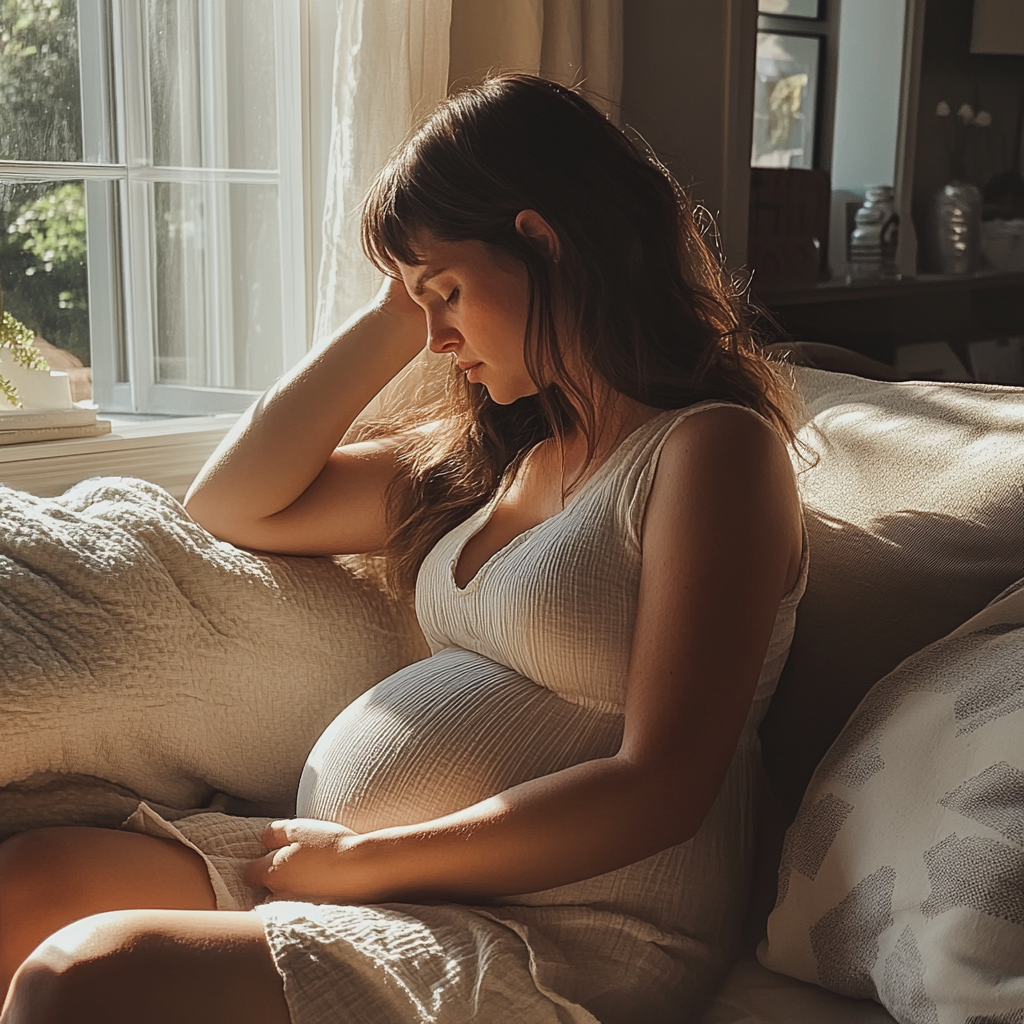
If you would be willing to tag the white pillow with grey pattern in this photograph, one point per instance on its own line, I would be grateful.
(902, 877)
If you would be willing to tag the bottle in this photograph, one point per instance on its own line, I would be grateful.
(958, 228)
(883, 198)
(865, 250)
(875, 239)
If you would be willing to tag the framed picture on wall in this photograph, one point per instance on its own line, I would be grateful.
(790, 8)
(786, 90)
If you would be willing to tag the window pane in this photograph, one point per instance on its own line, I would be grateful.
(218, 285)
(45, 275)
(212, 83)
(40, 96)
(790, 8)
(785, 100)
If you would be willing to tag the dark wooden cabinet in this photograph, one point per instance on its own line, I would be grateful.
(874, 317)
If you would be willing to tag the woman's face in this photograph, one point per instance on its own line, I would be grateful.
(475, 301)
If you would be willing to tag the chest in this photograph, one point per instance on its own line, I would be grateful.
(557, 602)
(537, 493)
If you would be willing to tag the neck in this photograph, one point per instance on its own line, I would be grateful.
(615, 416)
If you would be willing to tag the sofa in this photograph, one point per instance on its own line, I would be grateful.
(159, 663)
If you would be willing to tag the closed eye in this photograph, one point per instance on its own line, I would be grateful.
(453, 298)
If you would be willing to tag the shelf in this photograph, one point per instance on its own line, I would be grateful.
(840, 291)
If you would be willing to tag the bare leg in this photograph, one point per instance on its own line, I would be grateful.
(54, 876)
(151, 967)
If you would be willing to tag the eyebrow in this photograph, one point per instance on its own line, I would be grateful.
(424, 278)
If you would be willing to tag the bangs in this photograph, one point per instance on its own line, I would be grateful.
(391, 219)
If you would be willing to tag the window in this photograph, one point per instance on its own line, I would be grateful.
(151, 206)
(790, 94)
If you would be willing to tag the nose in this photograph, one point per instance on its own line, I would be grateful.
(441, 336)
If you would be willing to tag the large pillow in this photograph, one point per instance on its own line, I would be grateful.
(142, 657)
(902, 878)
(915, 514)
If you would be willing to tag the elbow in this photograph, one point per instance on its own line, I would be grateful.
(673, 803)
(201, 510)
(211, 516)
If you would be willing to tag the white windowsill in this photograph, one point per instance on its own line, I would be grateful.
(168, 452)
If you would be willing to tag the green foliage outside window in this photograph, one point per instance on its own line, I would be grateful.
(42, 225)
(17, 339)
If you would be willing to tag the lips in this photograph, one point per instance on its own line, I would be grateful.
(466, 366)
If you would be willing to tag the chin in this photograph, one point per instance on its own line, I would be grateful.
(508, 396)
(500, 398)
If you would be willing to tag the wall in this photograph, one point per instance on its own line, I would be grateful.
(867, 107)
(949, 72)
(688, 86)
(688, 89)
(867, 93)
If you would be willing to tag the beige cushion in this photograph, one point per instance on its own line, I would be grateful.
(139, 650)
(916, 521)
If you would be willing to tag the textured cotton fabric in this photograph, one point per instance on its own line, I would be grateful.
(527, 675)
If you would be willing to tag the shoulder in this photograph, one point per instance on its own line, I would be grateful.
(723, 430)
(724, 446)
(724, 479)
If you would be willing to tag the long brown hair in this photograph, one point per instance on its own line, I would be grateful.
(636, 291)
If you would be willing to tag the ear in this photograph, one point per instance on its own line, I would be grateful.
(539, 233)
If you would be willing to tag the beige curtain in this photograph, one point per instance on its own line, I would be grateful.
(575, 42)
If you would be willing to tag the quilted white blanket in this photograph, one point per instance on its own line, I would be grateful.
(140, 657)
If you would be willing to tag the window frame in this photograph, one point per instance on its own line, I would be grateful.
(121, 254)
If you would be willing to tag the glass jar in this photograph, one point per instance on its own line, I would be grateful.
(958, 228)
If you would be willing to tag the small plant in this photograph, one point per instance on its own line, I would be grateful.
(17, 339)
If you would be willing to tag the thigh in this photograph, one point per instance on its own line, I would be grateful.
(151, 967)
(51, 877)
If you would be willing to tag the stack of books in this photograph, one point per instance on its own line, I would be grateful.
(46, 412)
(19, 426)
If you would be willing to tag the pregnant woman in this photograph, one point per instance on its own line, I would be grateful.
(548, 820)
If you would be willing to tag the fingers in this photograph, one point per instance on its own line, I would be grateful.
(256, 872)
(276, 835)
(308, 831)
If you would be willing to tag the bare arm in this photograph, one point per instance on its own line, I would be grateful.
(278, 481)
(714, 572)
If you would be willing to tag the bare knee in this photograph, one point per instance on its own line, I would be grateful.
(130, 967)
(41, 868)
(87, 971)
(52, 877)
(36, 896)
(24, 863)
(73, 975)
(26, 887)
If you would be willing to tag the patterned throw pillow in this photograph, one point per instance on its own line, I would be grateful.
(902, 878)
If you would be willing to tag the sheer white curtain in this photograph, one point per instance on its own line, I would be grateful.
(390, 68)
(393, 61)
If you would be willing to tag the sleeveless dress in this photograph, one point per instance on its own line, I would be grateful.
(527, 675)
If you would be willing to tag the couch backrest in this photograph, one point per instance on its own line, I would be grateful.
(915, 512)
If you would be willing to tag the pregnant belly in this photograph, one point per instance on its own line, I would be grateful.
(440, 735)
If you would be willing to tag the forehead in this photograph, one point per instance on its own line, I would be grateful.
(439, 256)
(434, 251)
